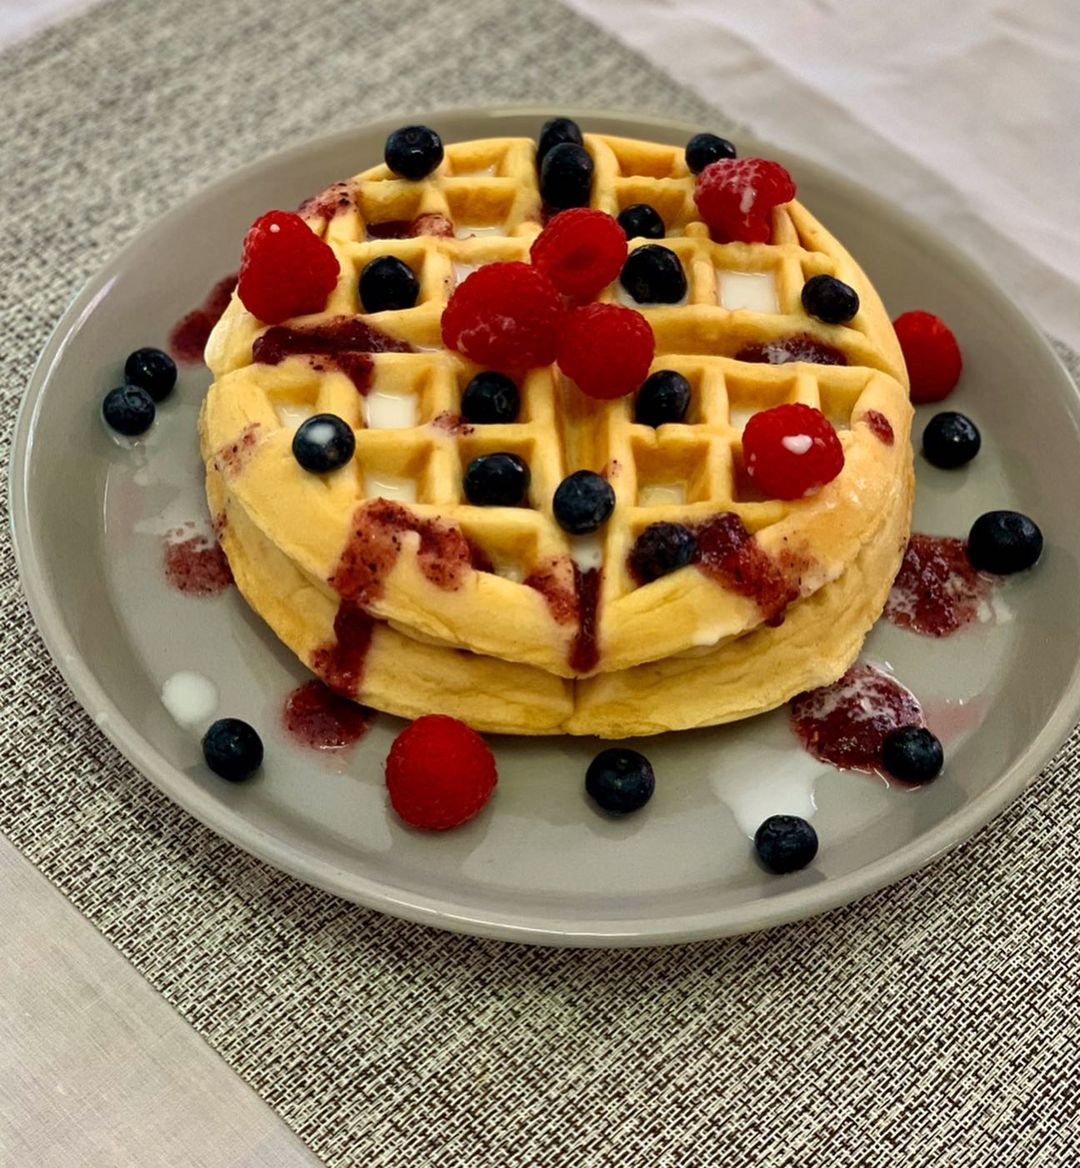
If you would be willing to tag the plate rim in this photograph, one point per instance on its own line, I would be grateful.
(277, 851)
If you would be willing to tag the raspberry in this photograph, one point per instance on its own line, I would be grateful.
(504, 316)
(791, 451)
(439, 773)
(606, 349)
(286, 270)
(580, 251)
(931, 354)
(736, 197)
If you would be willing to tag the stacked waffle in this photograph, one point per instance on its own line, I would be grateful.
(405, 596)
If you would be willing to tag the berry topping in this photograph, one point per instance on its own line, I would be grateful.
(620, 780)
(504, 315)
(413, 151)
(1004, 542)
(439, 773)
(583, 501)
(323, 442)
(736, 197)
(791, 451)
(664, 397)
(660, 549)
(232, 749)
(950, 440)
(566, 176)
(286, 269)
(653, 275)
(801, 347)
(496, 480)
(640, 221)
(388, 284)
(931, 354)
(555, 132)
(704, 149)
(129, 410)
(785, 843)
(912, 754)
(580, 251)
(152, 369)
(606, 349)
(830, 299)
(490, 398)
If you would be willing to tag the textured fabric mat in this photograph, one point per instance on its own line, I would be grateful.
(933, 1023)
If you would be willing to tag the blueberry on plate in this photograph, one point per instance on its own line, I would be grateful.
(490, 398)
(232, 749)
(388, 284)
(785, 843)
(653, 275)
(566, 176)
(129, 409)
(154, 370)
(323, 442)
(496, 480)
(663, 397)
(913, 754)
(830, 299)
(583, 502)
(620, 781)
(703, 149)
(413, 151)
(554, 132)
(662, 548)
(1004, 542)
(950, 440)
(640, 221)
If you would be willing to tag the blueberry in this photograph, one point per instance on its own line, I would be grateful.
(660, 549)
(1004, 542)
(583, 501)
(232, 749)
(620, 781)
(640, 221)
(653, 275)
(664, 397)
(913, 754)
(386, 284)
(413, 151)
(324, 442)
(129, 409)
(555, 132)
(497, 480)
(566, 176)
(705, 148)
(785, 843)
(154, 370)
(490, 398)
(830, 299)
(950, 440)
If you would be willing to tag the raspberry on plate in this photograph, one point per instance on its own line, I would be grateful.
(439, 773)
(736, 196)
(286, 269)
(606, 349)
(505, 316)
(931, 354)
(791, 451)
(581, 251)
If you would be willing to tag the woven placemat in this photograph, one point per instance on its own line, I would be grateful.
(933, 1023)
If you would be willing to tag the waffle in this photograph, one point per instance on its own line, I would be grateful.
(507, 584)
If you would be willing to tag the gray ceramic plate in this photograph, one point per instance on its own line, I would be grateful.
(538, 864)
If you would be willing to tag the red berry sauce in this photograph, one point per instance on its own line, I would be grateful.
(572, 595)
(335, 200)
(451, 423)
(937, 591)
(556, 585)
(801, 347)
(189, 335)
(880, 426)
(318, 717)
(345, 340)
(729, 554)
(433, 223)
(340, 663)
(194, 563)
(845, 724)
(230, 460)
